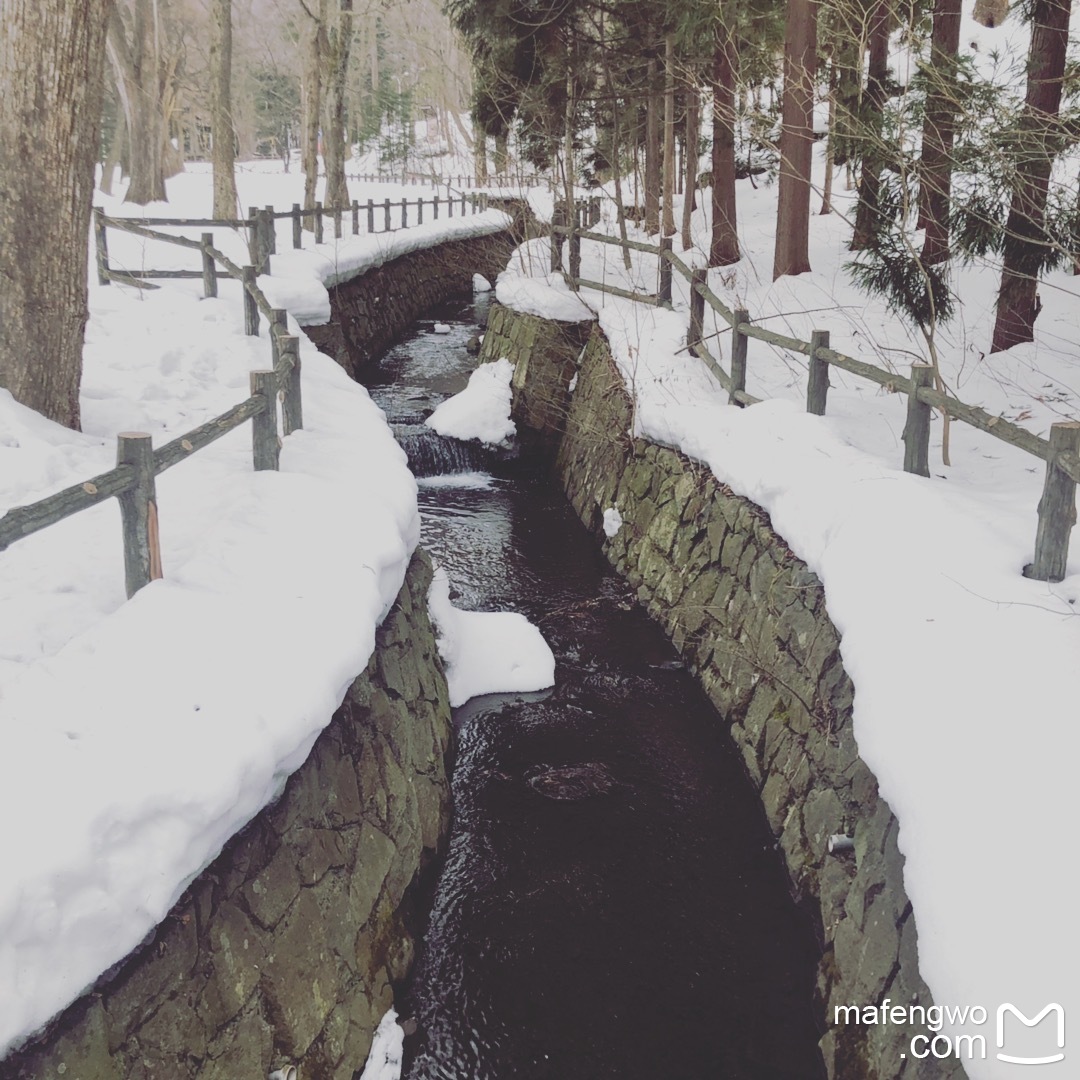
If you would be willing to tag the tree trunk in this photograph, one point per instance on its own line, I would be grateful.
(312, 111)
(480, 162)
(502, 155)
(669, 135)
(51, 67)
(138, 80)
(693, 121)
(225, 199)
(939, 127)
(870, 132)
(339, 40)
(1025, 233)
(830, 156)
(652, 154)
(792, 251)
(724, 245)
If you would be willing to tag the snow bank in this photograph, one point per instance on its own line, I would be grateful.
(387, 1049)
(487, 652)
(525, 286)
(480, 411)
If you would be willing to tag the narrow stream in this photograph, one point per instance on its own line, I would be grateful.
(612, 903)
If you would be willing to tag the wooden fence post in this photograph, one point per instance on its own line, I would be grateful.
(738, 355)
(463, 204)
(265, 446)
(699, 277)
(558, 218)
(370, 216)
(138, 512)
(297, 226)
(575, 258)
(917, 428)
(449, 206)
(278, 327)
(435, 205)
(318, 222)
(209, 267)
(817, 384)
(664, 293)
(419, 211)
(355, 218)
(404, 213)
(594, 210)
(292, 411)
(251, 308)
(1057, 507)
(483, 202)
(101, 243)
(337, 222)
(386, 215)
(253, 234)
(270, 227)
(264, 225)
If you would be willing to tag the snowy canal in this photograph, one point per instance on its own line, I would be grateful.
(612, 904)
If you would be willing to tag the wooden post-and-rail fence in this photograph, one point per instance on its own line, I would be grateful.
(262, 232)
(132, 481)
(1061, 452)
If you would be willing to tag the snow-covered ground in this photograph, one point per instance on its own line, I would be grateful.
(137, 736)
(966, 673)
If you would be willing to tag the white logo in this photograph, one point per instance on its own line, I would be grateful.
(1052, 1008)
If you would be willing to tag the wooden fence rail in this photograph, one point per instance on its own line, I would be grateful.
(262, 236)
(132, 481)
(1061, 452)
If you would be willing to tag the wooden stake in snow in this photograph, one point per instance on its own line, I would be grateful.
(817, 386)
(1057, 507)
(265, 445)
(917, 429)
(138, 512)
(739, 342)
(209, 267)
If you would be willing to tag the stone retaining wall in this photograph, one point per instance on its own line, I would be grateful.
(371, 311)
(284, 951)
(749, 618)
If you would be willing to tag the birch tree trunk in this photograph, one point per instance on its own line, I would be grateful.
(51, 67)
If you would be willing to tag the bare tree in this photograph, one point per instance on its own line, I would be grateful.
(144, 71)
(339, 32)
(51, 67)
(225, 197)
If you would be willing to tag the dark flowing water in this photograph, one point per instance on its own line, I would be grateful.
(612, 903)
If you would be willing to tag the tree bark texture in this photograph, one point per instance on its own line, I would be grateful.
(693, 123)
(668, 227)
(139, 82)
(339, 42)
(869, 130)
(51, 67)
(652, 153)
(1025, 241)
(939, 129)
(792, 251)
(225, 199)
(314, 46)
(724, 245)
